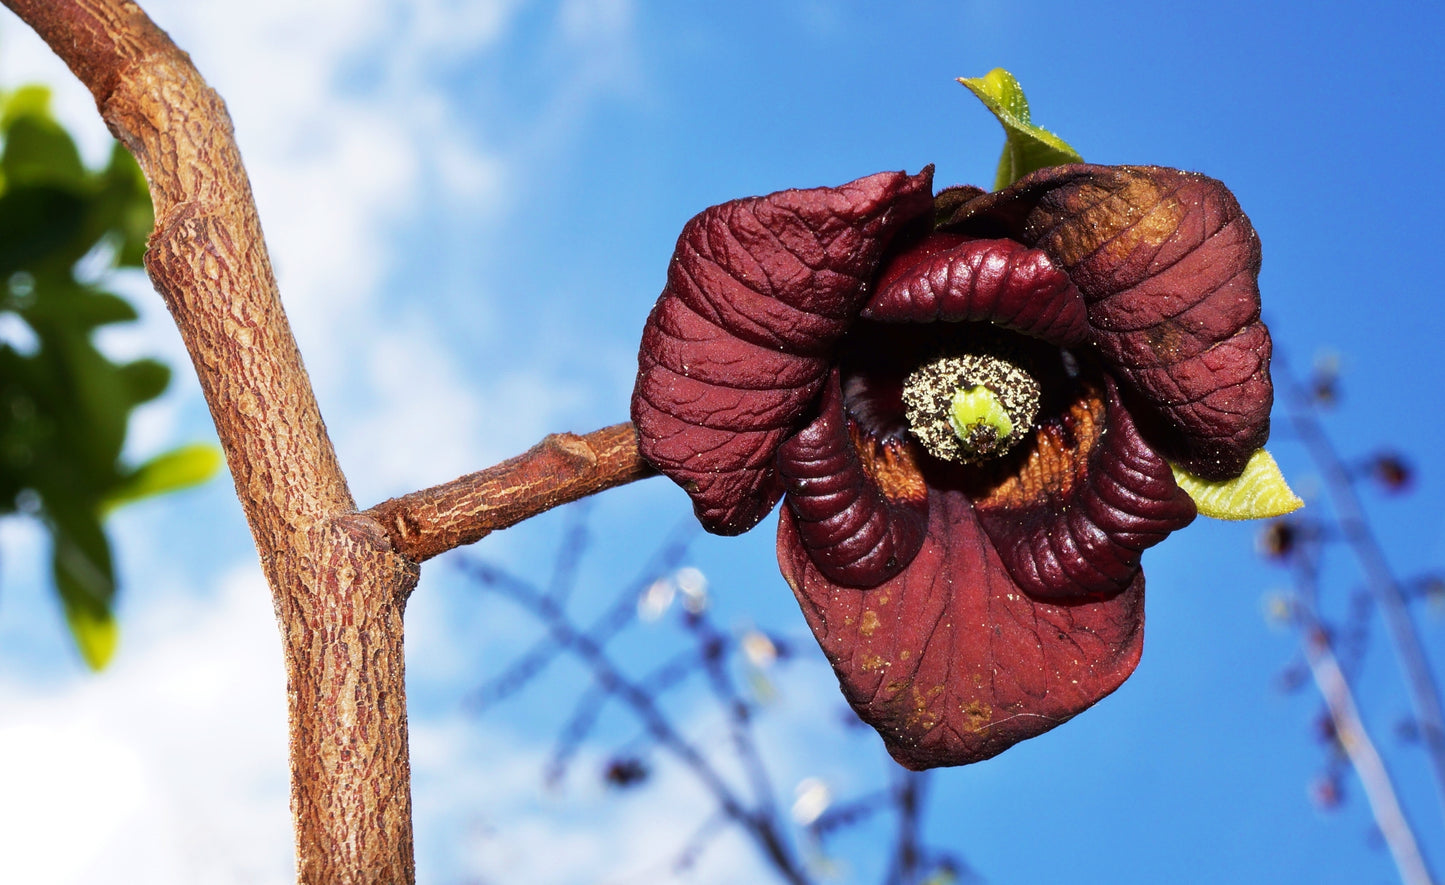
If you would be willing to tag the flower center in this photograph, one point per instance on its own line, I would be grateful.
(971, 407)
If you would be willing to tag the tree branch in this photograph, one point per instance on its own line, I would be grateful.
(1351, 733)
(338, 587)
(1379, 577)
(759, 823)
(561, 468)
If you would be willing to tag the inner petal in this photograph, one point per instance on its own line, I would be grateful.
(861, 506)
(952, 278)
(1071, 522)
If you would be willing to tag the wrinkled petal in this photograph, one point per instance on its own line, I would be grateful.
(951, 661)
(953, 278)
(1071, 524)
(737, 347)
(860, 514)
(1168, 264)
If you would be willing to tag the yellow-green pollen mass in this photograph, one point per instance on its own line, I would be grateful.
(969, 407)
(978, 418)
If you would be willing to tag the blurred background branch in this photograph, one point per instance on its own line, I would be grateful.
(1334, 652)
(733, 667)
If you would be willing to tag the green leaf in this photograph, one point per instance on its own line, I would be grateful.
(1027, 148)
(146, 379)
(36, 223)
(174, 470)
(89, 402)
(1260, 492)
(64, 405)
(84, 575)
(67, 304)
(39, 151)
(27, 101)
(96, 635)
(127, 202)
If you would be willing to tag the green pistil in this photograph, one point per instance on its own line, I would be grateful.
(979, 420)
(970, 407)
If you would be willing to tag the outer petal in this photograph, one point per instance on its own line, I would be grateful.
(950, 660)
(734, 352)
(1091, 497)
(1168, 264)
(953, 278)
(861, 514)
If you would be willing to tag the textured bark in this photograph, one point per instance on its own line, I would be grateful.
(561, 468)
(339, 588)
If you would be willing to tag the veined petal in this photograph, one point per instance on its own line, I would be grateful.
(734, 352)
(1073, 521)
(953, 278)
(951, 661)
(860, 514)
(1169, 266)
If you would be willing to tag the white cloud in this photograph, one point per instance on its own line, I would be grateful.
(342, 119)
(427, 422)
(168, 767)
(482, 812)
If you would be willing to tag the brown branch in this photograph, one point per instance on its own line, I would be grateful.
(561, 468)
(761, 822)
(1351, 733)
(338, 586)
(1350, 516)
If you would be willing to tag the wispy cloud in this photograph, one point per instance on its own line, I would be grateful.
(355, 132)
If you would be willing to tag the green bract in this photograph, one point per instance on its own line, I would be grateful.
(1027, 148)
(1258, 493)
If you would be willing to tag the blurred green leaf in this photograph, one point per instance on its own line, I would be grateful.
(90, 402)
(127, 201)
(35, 223)
(70, 305)
(145, 379)
(84, 574)
(1027, 148)
(172, 471)
(96, 635)
(37, 149)
(31, 100)
(65, 405)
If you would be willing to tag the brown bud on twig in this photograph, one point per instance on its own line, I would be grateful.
(1392, 472)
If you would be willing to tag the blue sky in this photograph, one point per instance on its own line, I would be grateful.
(470, 206)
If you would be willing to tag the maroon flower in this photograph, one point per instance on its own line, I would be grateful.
(968, 402)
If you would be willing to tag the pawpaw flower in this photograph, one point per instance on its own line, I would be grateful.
(970, 404)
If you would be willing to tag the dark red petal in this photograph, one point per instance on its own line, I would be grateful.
(1169, 266)
(1072, 524)
(733, 354)
(953, 278)
(950, 660)
(860, 526)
